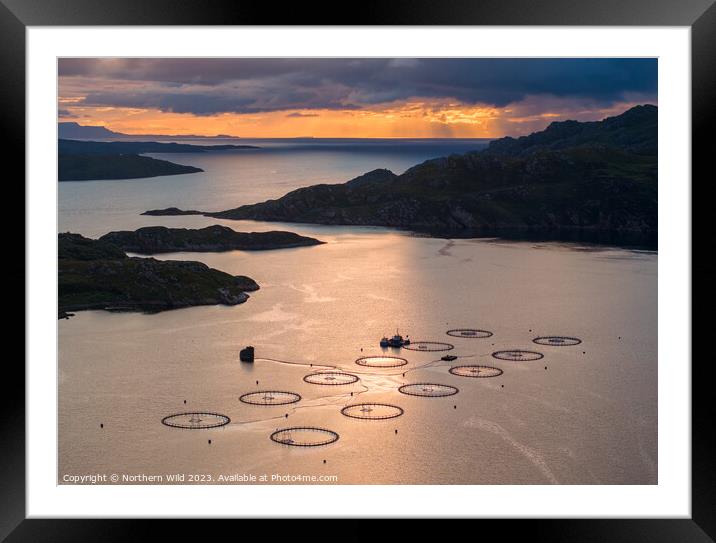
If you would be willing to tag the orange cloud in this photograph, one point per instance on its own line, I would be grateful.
(403, 119)
(399, 120)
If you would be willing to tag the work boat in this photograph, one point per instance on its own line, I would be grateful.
(396, 341)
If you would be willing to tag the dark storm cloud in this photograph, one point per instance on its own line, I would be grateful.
(210, 86)
(207, 102)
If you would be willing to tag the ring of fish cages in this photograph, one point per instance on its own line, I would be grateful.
(330, 378)
(517, 355)
(557, 341)
(428, 390)
(270, 397)
(475, 371)
(429, 346)
(472, 333)
(372, 411)
(196, 420)
(304, 436)
(381, 361)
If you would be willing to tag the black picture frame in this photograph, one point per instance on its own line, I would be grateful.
(700, 15)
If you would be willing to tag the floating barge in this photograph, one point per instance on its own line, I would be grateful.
(396, 341)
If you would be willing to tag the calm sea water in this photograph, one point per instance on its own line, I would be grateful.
(233, 178)
(590, 417)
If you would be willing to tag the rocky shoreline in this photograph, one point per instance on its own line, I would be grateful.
(95, 274)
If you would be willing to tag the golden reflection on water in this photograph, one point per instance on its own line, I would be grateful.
(589, 418)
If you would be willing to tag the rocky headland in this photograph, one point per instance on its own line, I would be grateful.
(95, 274)
(101, 160)
(598, 177)
(216, 238)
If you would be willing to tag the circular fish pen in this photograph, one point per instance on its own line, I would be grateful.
(469, 333)
(557, 341)
(372, 411)
(518, 355)
(429, 346)
(304, 436)
(270, 397)
(428, 390)
(331, 378)
(196, 420)
(381, 361)
(475, 371)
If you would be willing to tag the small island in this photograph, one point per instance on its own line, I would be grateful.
(160, 239)
(95, 274)
(171, 212)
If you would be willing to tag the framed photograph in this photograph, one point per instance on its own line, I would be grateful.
(436, 263)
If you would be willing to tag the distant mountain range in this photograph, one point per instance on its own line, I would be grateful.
(76, 131)
(572, 177)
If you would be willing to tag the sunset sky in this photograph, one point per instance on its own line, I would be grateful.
(343, 98)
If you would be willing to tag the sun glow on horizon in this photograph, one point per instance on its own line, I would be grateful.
(347, 98)
(407, 119)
